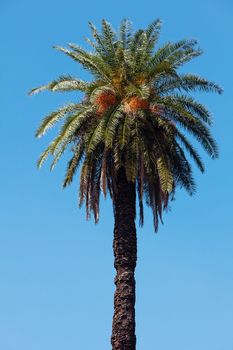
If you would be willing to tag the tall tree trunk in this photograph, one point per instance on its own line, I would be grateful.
(125, 253)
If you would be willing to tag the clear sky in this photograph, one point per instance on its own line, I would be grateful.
(56, 269)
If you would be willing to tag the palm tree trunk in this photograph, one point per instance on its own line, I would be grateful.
(125, 253)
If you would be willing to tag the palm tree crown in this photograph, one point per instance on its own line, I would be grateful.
(135, 113)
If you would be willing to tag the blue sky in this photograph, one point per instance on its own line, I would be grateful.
(56, 284)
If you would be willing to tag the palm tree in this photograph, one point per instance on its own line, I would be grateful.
(129, 135)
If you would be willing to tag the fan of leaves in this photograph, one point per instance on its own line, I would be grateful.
(136, 113)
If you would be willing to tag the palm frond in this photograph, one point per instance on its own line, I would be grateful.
(125, 33)
(73, 164)
(153, 32)
(64, 83)
(187, 82)
(50, 120)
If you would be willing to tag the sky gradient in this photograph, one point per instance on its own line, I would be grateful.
(56, 269)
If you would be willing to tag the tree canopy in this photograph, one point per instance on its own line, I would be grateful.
(135, 113)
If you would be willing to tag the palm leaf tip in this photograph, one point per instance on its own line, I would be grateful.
(44, 155)
(57, 47)
(61, 49)
(36, 90)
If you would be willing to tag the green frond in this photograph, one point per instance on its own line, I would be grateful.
(191, 106)
(57, 155)
(128, 59)
(50, 120)
(196, 128)
(188, 82)
(173, 133)
(193, 153)
(126, 131)
(112, 127)
(135, 41)
(147, 160)
(38, 89)
(101, 64)
(153, 32)
(161, 69)
(109, 37)
(180, 57)
(92, 44)
(70, 128)
(97, 136)
(169, 57)
(64, 138)
(132, 155)
(142, 91)
(140, 52)
(169, 50)
(97, 36)
(73, 164)
(183, 171)
(117, 154)
(125, 33)
(165, 175)
(89, 61)
(196, 83)
(63, 84)
(43, 157)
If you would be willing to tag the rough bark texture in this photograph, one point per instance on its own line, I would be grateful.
(125, 253)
